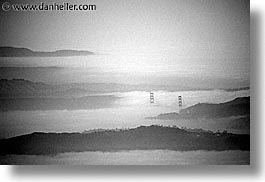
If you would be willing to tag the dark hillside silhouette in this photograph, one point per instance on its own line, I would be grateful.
(141, 138)
(237, 107)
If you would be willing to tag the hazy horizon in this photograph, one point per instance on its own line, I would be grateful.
(189, 29)
(173, 43)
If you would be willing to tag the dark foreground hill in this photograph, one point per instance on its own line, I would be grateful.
(237, 107)
(141, 138)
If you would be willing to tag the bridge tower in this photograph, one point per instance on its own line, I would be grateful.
(180, 102)
(152, 98)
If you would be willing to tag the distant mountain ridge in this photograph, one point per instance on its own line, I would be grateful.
(24, 88)
(47, 104)
(237, 107)
(24, 52)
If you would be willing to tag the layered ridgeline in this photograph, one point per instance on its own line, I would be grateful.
(237, 107)
(141, 138)
(25, 88)
(24, 52)
(232, 115)
(20, 94)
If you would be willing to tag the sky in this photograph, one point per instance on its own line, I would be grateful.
(194, 28)
(207, 33)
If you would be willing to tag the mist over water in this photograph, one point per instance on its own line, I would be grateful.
(195, 49)
(127, 109)
(130, 110)
(136, 157)
(158, 69)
